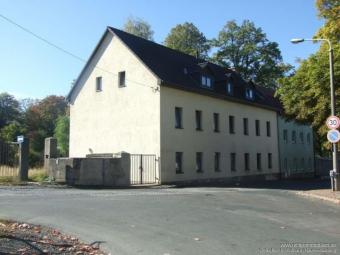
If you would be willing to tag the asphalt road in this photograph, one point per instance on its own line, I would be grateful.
(179, 221)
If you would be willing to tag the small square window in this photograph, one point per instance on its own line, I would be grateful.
(99, 84)
(121, 79)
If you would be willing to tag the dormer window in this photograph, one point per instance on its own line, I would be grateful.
(229, 88)
(250, 93)
(206, 81)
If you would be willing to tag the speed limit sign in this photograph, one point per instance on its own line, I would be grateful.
(333, 122)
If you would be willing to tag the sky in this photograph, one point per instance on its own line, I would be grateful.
(30, 68)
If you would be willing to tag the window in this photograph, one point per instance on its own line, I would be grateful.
(268, 128)
(245, 126)
(233, 162)
(285, 164)
(217, 161)
(178, 117)
(257, 127)
(301, 137)
(199, 159)
(285, 135)
(216, 122)
(198, 115)
(246, 161)
(231, 124)
(294, 136)
(249, 93)
(206, 81)
(295, 164)
(270, 161)
(179, 158)
(310, 163)
(308, 138)
(258, 161)
(229, 88)
(302, 163)
(99, 84)
(121, 79)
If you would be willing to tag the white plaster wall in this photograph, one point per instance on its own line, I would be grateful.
(115, 119)
(189, 141)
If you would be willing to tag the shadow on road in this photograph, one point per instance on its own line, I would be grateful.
(299, 185)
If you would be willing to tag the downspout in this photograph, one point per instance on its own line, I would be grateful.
(278, 144)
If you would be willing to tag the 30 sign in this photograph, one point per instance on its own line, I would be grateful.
(333, 122)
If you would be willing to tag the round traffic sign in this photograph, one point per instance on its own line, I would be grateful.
(333, 136)
(333, 122)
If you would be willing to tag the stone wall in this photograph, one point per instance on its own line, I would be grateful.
(105, 171)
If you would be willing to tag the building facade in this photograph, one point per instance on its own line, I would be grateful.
(296, 149)
(202, 121)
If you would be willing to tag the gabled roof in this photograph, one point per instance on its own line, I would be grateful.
(183, 71)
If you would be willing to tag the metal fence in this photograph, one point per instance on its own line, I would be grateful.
(9, 159)
(323, 166)
(143, 169)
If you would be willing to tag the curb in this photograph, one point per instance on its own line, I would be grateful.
(333, 200)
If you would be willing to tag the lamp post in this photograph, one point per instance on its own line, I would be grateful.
(331, 75)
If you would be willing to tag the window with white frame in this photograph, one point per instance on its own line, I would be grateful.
(206, 81)
(249, 93)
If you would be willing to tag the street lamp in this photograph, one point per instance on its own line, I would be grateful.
(331, 75)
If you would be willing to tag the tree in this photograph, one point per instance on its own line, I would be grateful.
(139, 27)
(9, 109)
(247, 49)
(61, 133)
(306, 94)
(188, 39)
(9, 132)
(40, 122)
(329, 10)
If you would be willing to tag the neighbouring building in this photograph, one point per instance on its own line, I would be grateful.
(200, 120)
(296, 149)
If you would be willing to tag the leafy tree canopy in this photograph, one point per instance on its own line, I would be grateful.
(61, 133)
(188, 39)
(306, 94)
(246, 48)
(9, 109)
(139, 27)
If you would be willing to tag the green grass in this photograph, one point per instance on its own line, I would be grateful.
(37, 175)
(34, 175)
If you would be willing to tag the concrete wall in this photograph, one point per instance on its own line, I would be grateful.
(295, 158)
(109, 172)
(115, 119)
(189, 141)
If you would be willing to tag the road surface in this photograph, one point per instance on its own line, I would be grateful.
(179, 221)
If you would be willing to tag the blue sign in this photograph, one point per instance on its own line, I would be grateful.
(333, 136)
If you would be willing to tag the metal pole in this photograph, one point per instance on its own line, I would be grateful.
(336, 186)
